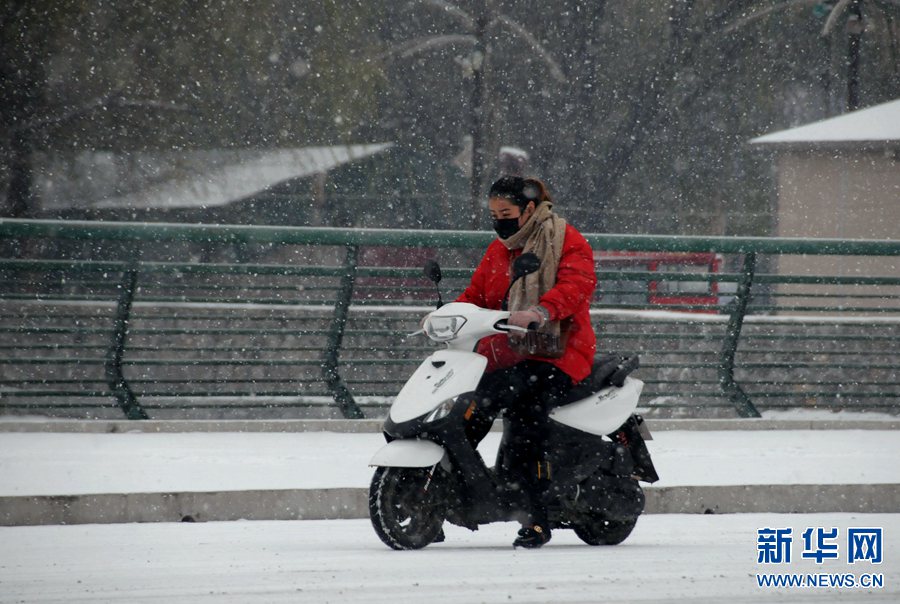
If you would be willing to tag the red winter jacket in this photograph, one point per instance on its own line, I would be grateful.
(570, 297)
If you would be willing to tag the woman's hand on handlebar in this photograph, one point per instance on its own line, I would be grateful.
(526, 319)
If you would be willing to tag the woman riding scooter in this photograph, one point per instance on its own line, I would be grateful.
(527, 375)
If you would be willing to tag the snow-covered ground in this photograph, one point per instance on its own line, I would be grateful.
(700, 558)
(72, 464)
(668, 558)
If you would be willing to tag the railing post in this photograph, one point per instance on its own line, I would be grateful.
(115, 379)
(330, 373)
(730, 388)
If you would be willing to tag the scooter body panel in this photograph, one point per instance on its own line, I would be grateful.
(602, 412)
(408, 453)
(443, 375)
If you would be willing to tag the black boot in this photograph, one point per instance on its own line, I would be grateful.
(532, 537)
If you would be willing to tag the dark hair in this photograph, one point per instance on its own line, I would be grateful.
(520, 190)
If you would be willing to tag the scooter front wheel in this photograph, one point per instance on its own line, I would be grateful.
(406, 506)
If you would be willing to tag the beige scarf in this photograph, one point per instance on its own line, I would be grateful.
(543, 235)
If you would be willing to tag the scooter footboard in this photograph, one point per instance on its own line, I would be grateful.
(408, 453)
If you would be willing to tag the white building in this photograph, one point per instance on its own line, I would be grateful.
(840, 178)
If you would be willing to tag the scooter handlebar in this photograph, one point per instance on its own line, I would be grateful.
(503, 325)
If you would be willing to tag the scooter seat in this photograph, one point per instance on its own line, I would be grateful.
(609, 370)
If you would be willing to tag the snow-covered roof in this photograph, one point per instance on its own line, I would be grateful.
(877, 124)
(243, 176)
(183, 179)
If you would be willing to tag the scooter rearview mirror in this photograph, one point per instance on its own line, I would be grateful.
(525, 264)
(432, 271)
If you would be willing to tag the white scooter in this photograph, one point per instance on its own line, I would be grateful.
(429, 472)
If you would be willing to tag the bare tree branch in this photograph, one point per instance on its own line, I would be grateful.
(149, 104)
(727, 11)
(451, 9)
(833, 16)
(891, 40)
(552, 65)
(110, 100)
(756, 16)
(407, 49)
(645, 117)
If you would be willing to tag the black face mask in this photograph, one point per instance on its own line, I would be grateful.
(506, 227)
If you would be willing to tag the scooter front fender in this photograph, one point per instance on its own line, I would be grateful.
(408, 453)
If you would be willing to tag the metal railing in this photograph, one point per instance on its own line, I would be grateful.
(186, 320)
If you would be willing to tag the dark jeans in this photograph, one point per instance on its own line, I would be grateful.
(526, 393)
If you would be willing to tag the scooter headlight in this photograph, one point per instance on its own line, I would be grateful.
(441, 411)
(442, 329)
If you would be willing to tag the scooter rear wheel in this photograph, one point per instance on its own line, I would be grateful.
(605, 532)
(404, 514)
